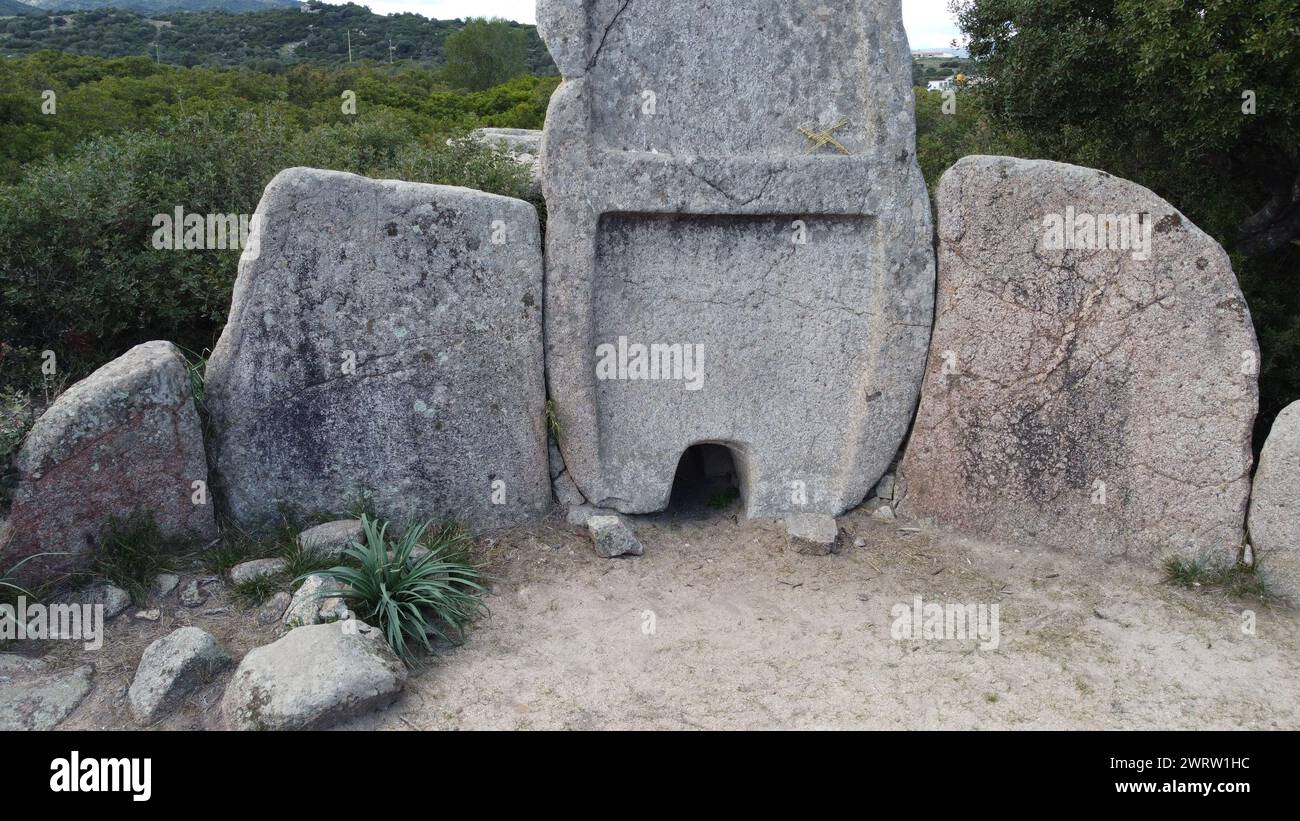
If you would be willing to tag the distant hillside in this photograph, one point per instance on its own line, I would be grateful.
(8, 7)
(259, 39)
(162, 6)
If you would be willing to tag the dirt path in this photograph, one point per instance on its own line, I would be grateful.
(748, 636)
(718, 626)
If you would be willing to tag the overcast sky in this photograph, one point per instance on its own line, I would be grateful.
(929, 25)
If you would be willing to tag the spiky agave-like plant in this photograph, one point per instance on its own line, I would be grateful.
(410, 595)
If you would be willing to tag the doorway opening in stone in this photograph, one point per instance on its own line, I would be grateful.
(707, 481)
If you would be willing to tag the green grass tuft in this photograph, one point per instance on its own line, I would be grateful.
(281, 542)
(131, 555)
(553, 420)
(1206, 572)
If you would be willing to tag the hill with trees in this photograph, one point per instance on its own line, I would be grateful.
(8, 7)
(268, 40)
(157, 6)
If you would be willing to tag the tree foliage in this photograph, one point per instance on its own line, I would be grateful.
(485, 53)
(1194, 99)
(268, 41)
(78, 274)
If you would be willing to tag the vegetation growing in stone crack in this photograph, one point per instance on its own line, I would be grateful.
(553, 420)
(412, 587)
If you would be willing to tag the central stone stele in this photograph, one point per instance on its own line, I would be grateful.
(739, 246)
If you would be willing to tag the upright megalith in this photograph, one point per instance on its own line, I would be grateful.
(1092, 379)
(384, 342)
(1275, 497)
(738, 246)
(122, 442)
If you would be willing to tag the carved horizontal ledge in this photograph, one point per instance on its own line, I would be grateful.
(790, 186)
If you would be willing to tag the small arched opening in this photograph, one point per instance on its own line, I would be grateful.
(708, 479)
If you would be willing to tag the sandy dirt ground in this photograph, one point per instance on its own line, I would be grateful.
(719, 625)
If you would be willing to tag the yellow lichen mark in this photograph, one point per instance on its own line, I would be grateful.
(825, 137)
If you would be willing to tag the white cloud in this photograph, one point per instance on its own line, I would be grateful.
(929, 23)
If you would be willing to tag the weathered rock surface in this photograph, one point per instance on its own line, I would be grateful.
(330, 539)
(171, 668)
(523, 144)
(563, 487)
(123, 439)
(1092, 399)
(384, 338)
(34, 696)
(884, 488)
(612, 537)
(813, 534)
(164, 584)
(313, 603)
(255, 569)
(1275, 499)
(113, 599)
(312, 678)
(687, 208)
(192, 595)
(566, 492)
(272, 610)
(578, 515)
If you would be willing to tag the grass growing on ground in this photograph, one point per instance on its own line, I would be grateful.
(410, 595)
(281, 542)
(1207, 572)
(131, 555)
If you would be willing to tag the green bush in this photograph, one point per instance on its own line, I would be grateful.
(409, 594)
(78, 274)
(485, 53)
(16, 417)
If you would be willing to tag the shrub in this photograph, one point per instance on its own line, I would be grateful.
(409, 595)
(16, 418)
(78, 274)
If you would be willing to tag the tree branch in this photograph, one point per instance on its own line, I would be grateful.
(1274, 225)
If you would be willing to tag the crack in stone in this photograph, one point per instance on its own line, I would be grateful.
(595, 56)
